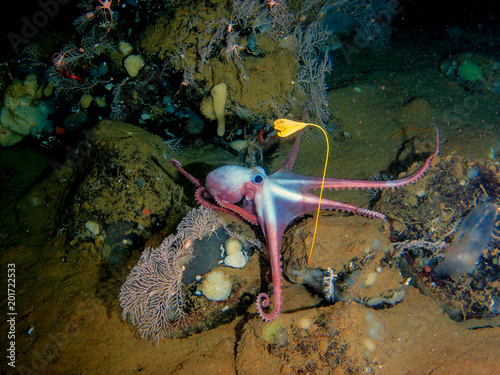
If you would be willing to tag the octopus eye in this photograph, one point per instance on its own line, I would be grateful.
(258, 178)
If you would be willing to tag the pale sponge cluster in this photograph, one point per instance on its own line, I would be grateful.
(234, 254)
(23, 111)
(133, 64)
(213, 107)
(216, 286)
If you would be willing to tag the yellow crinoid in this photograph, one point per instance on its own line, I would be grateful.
(286, 128)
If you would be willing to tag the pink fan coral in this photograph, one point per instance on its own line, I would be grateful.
(152, 295)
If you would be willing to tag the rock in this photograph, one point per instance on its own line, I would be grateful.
(92, 228)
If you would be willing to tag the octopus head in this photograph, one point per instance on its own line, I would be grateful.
(232, 183)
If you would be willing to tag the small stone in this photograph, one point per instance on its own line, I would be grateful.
(305, 323)
(281, 337)
(92, 228)
(99, 241)
(370, 280)
(420, 193)
(376, 244)
(106, 251)
(370, 345)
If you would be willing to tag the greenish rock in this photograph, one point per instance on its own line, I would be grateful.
(470, 71)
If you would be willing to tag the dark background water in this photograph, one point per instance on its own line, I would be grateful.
(414, 16)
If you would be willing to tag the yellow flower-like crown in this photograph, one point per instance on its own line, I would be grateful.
(286, 128)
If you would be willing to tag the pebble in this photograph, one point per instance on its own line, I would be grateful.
(370, 280)
(305, 323)
(93, 228)
(370, 345)
(420, 193)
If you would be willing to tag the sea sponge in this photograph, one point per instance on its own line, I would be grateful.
(239, 145)
(207, 108)
(234, 254)
(219, 95)
(216, 286)
(86, 100)
(48, 90)
(470, 241)
(470, 71)
(233, 246)
(30, 85)
(100, 101)
(133, 64)
(125, 48)
(22, 113)
(23, 116)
